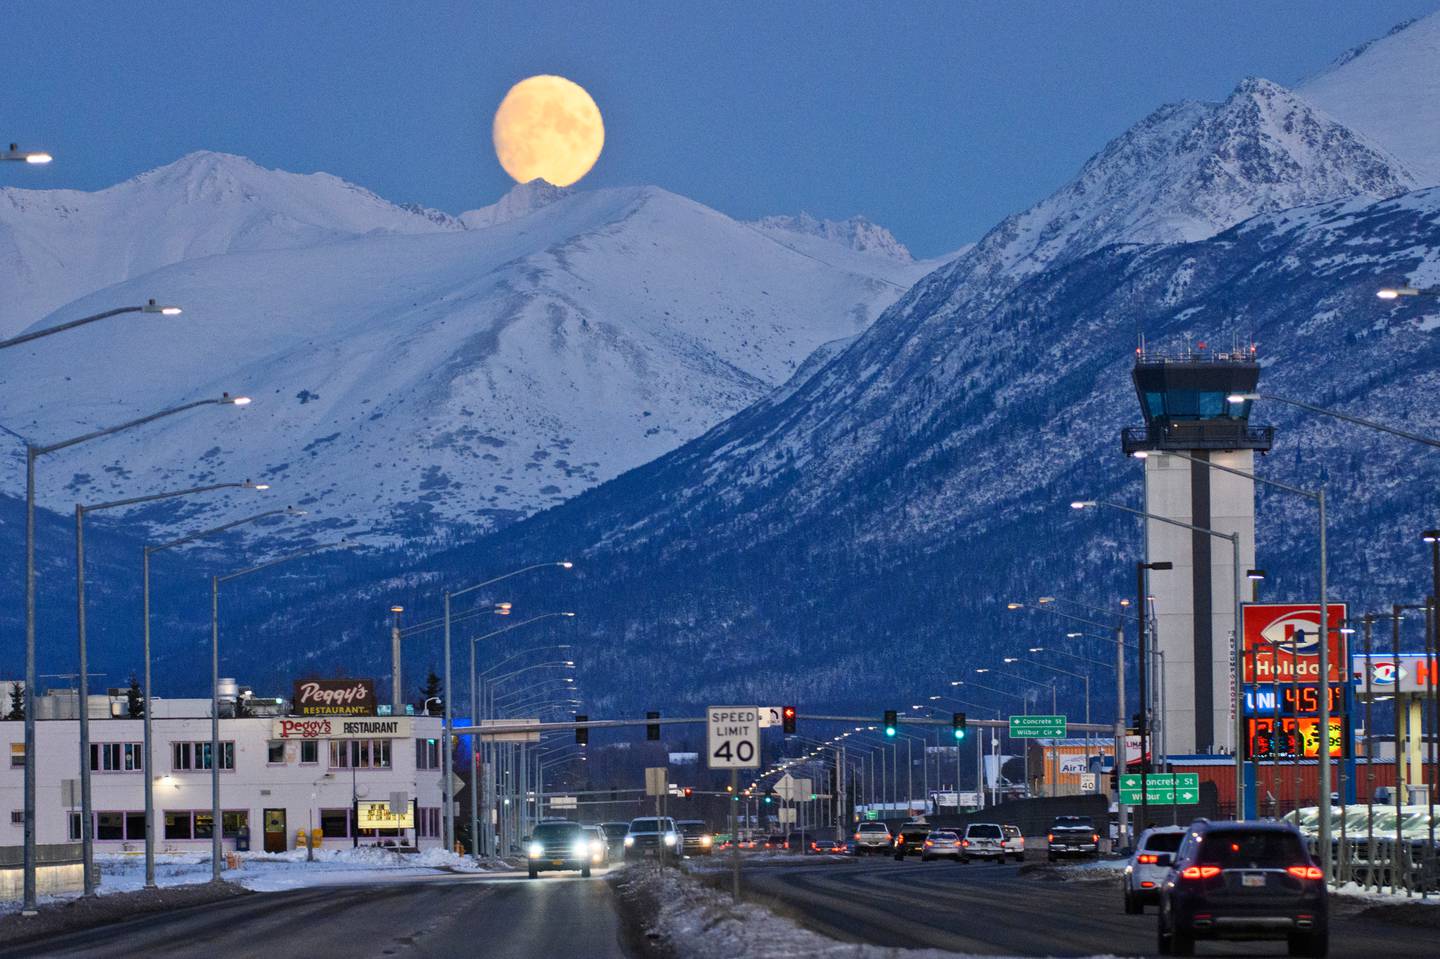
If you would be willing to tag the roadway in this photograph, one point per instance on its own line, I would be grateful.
(499, 918)
(989, 909)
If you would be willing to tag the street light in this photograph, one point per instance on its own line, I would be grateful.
(32, 453)
(87, 826)
(1323, 411)
(150, 306)
(216, 820)
(1395, 292)
(32, 157)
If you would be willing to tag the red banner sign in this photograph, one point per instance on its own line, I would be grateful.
(1282, 643)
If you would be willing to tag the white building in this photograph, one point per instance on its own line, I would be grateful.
(278, 775)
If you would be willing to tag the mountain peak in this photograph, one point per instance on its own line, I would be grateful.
(859, 233)
(1388, 90)
(521, 200)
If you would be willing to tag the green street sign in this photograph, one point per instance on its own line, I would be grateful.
(872, 814)
(1050, 727)
(1181, 789)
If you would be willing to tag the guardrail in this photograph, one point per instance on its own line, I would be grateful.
(1409, 866)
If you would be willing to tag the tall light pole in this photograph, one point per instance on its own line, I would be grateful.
(32, 453)
(87, 825)
(33, 157)
(148, 719)
(216, 817)
(149, 306)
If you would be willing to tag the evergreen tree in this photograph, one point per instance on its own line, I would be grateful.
(135, 699)
(17, 702)
(432, 690)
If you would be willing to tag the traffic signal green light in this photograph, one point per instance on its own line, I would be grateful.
(769, 798)
(892, 722)
(957, 722)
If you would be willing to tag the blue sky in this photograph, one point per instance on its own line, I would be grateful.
(935, 120)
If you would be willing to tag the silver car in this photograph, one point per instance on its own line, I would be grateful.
(941, 844)
(1148, 866)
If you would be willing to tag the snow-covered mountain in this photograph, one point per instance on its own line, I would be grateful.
(1389, 91)
(438, 380)
(58, 245)
(857, 233)
(522, 200)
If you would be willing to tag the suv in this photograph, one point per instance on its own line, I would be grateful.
(558, 844)
(695, 837)
(1146, 871)
(871, 837)
(1243, 880)
(1014, 842)
(652, 836)
(911, 838)
(983, 840)
(1073, 836)
(614, 838)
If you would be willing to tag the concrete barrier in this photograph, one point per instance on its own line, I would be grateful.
(59, 868)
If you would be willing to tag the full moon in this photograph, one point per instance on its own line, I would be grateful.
(549, 128)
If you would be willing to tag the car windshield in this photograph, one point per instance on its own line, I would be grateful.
(951, 837)
(875, 826)
(555, 830)
(1011, 831)
(983, 831)
(698, 828)
(646, 825)
(614, 830)
(1232, 848)
(1166, 841)
(1074, 822)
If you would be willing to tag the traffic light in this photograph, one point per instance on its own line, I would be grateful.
(688, 791)
(787, 720)
(769, 798)
(957, 723)
(582, 733)
(652, 731)
(892, 722)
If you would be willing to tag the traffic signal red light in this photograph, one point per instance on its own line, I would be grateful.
(689, 791)
(787, 720)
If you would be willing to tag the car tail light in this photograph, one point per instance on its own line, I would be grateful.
(1095, 837)
(1050, 837)
(1200, 872)
(965, 843)
(857, 837)
(929, 843)
(1147, 859)
(1306, 872)
(1147, 884)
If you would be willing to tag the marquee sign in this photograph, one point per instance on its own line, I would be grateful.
(325, 727)
(1282, 642)
(377, 815)
(1407, 673)
(333, 697)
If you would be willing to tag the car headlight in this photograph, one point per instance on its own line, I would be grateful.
(629, 840)
(536, 850)
(581, 848)
(669, 839)
(596, 845)
(706, 840)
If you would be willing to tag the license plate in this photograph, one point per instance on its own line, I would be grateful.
(1252, 879)
(557, 862)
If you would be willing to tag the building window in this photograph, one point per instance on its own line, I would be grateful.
(204, 825)
(17, 816)
(17, 755)
(177, 825)
(110, 825)
(427, 754)
(309, 752)
(134, 825)
(75, 824)
(116, 757)
(196, 756)
(232, 821)
(360, 753)
(275, 754)
(427, 822)
(335, 823)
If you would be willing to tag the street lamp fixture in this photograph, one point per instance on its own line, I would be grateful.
(1385, 292)
(33, 157)
(1083, 504)
(163, 309)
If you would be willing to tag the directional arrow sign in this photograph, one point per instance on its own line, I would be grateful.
(1161, 788)
(1034, 726)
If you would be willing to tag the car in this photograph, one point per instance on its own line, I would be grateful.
(558, 844)
(872, 837)
(1243, 880)
(983, 840)
(827, 846)
(1145, 872)
(1072, 836)
(776, 842)
(1014, 842)
(695, 837)
(941, 844)
(615, 838)
(910, 838)
(656, 836)
(599, 847)
(749, 842)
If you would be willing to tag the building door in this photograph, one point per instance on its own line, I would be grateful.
(275, 837)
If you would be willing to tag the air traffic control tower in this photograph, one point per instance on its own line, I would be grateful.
(1184, 398)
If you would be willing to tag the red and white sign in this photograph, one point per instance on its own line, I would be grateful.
(1282, 643)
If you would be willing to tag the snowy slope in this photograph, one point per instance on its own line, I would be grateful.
(432, 384)
(1389, 91)
(58, 245)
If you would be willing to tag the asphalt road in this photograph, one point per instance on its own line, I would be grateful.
(505, 918)
(995, 910)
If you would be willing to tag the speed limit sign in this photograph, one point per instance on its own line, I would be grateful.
(733, 740)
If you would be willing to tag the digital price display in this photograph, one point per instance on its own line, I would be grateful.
(1291, 700)
(1291, 737)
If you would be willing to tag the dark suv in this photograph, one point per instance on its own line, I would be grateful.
(558, 845)
(1243, 880)
(911, 839)
(695, 837)
(1072, 836)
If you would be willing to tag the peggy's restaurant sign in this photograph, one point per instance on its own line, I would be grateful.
(340, 727)
(333, 697)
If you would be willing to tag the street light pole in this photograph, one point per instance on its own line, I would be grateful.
(1140, 569)
(150, 307)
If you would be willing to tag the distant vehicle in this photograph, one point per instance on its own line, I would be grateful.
(652, 836)
(599, 848)
(1243, 880)
(941, 844)
(827, 846)
(749, 843)
(983, 840)
(871, 837)
(696, 837)
(1014, 842)
(558, 844)
(911, 839)
(1073, 836)
(615, 838)
(776, 841)
(1148, 866)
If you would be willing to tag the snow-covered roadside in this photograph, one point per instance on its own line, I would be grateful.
(699, 922)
